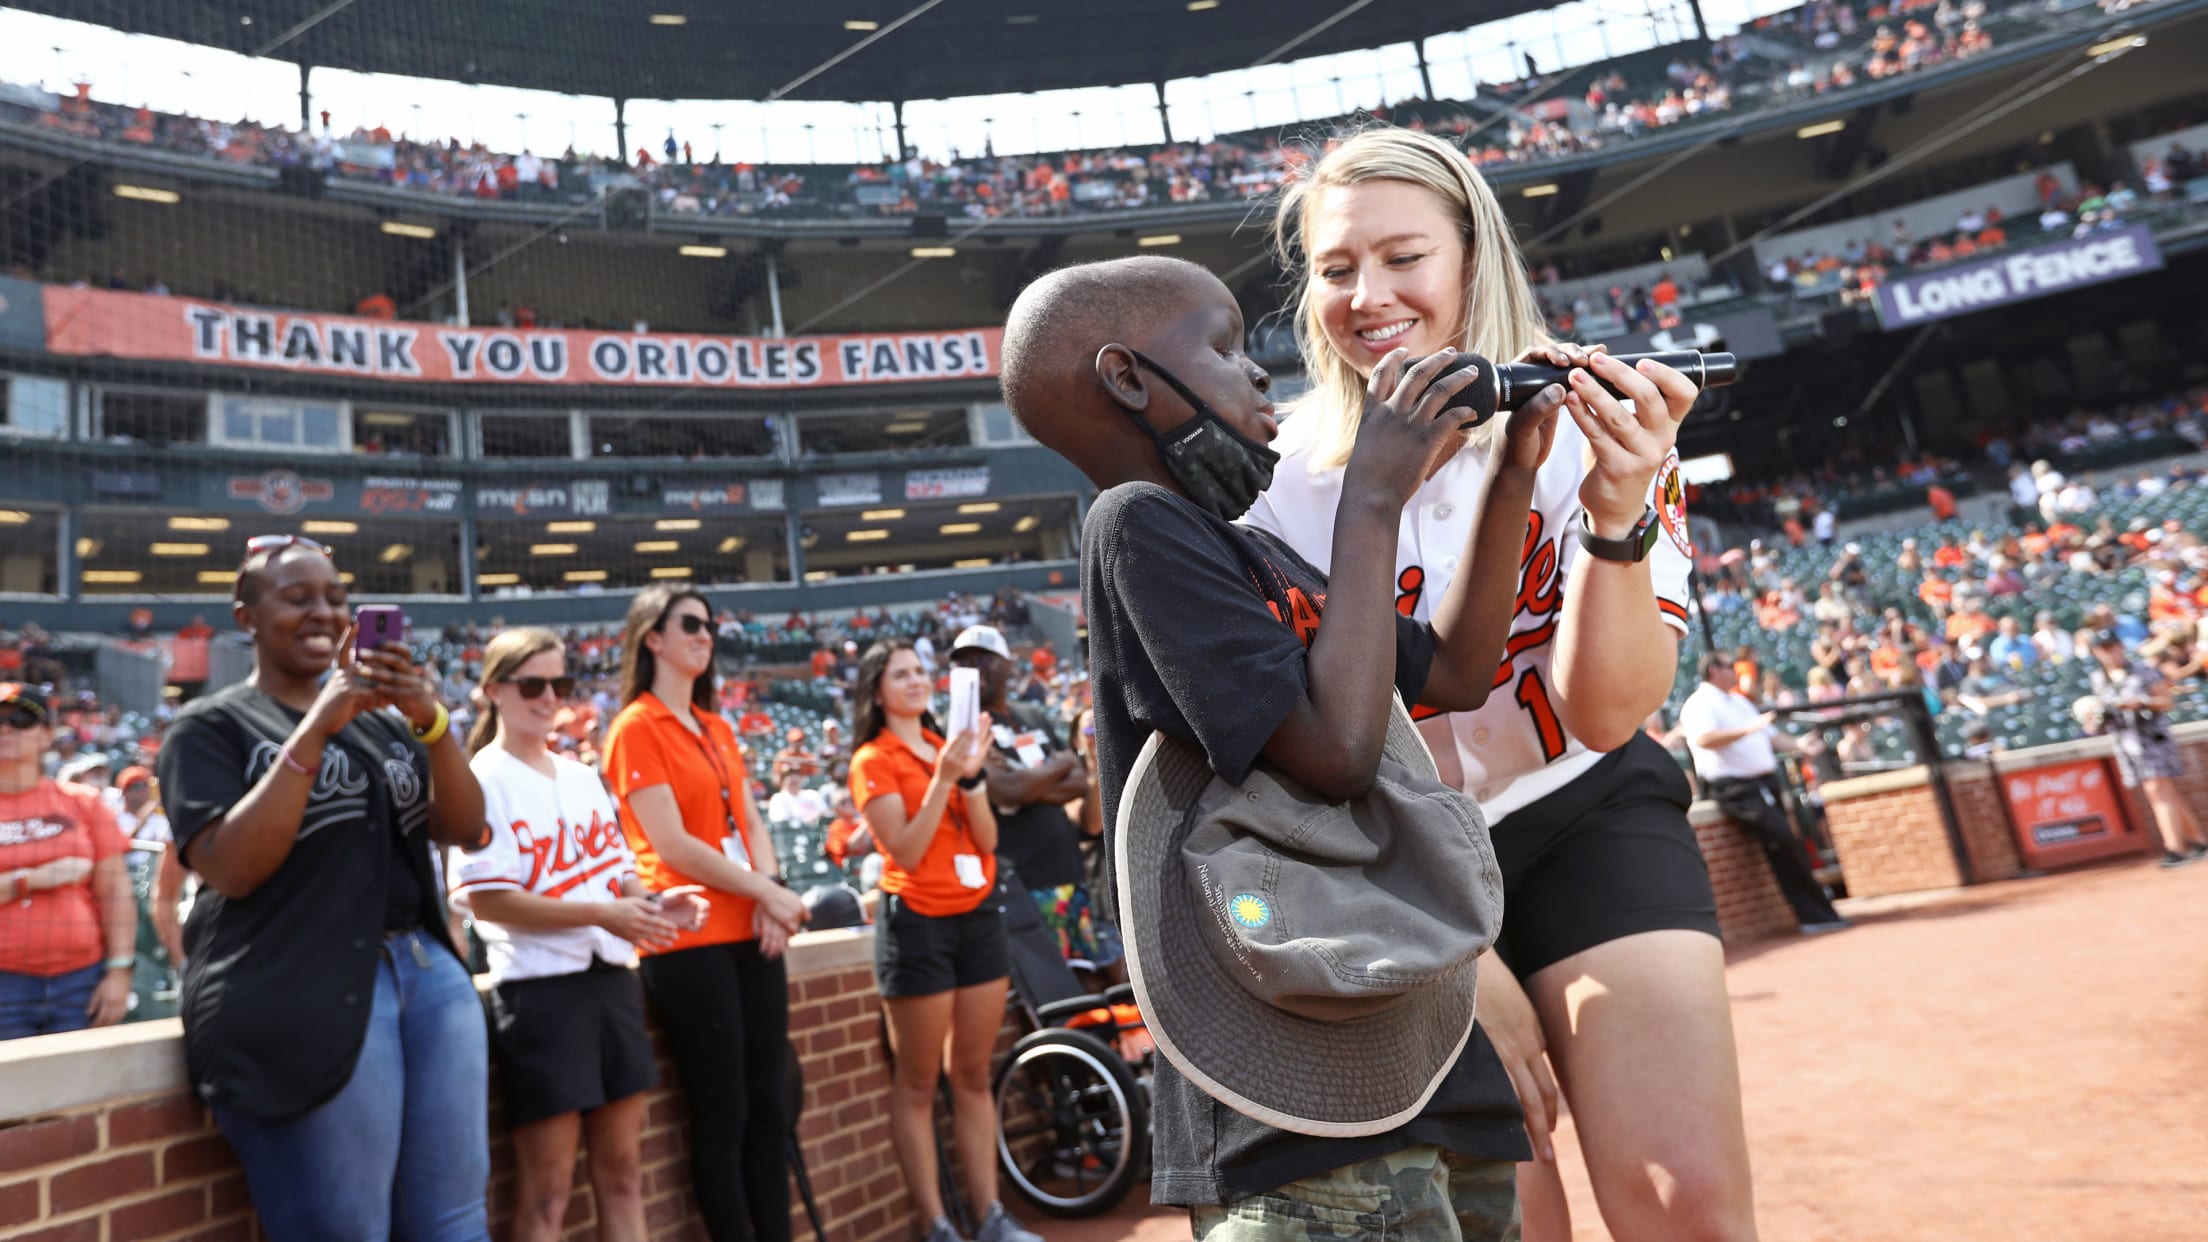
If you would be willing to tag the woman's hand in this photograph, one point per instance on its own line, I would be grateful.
(686, 906)
(346, 694)
(1403, 438)
(783, 908)
(110, 998)
(637, 921)
(962, 757)
(402, 683)
(1625, 448)
(1508, 1018)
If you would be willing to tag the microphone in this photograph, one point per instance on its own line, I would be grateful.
(1509, 385)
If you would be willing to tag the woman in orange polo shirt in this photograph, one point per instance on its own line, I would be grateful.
(940, 957)
(721, 992)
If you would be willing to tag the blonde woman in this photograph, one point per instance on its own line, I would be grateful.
(1609, 965)
(556, 897)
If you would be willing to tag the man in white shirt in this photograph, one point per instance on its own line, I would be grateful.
(1731, 744)
(795, 804)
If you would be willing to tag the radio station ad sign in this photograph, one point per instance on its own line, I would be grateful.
(2068, 813)
(746, 496)
(960, 482)
(2041, 271)
(112, 324)
(380, 495)
(578, 498)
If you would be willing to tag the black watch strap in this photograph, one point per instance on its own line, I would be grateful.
(1631, 550)
(971, 782)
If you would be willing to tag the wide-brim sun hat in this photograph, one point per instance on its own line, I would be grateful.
(1309, 964)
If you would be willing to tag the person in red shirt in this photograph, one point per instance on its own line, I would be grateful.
(722, 991)
(69, 925)
(940, 955)
(1045, 660)
(1942, 502)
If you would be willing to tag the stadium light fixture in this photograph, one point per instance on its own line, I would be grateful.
(112, 577)
(819, 575)
(732, 544)
(1544, 190)
(658, 545)
(881, 515)
(1159, 239)
(147, 194)
(347, 579)
(2124, 44)
(861, 24)
(216, 577)
(569, 528)
(1202, 6)
(986, 506)
(960, 528)
(906, 427)
(393, 553)
(1026, 524)
(1821, 128)
(704, 252)
(671, 571)
(88, 547)
(865, 536)
(179, 549)
(199, 523)
(13, 517)
(384, 418)
(670, 19)
(935, 252)
(498, 580)
(400, 228)
(978, 562)
(330, 528)
(585, 575)
(675, 524)
(551, 549)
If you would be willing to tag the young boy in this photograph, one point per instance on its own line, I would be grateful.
(1212, 633)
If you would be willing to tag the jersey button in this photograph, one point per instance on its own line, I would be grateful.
(1449, 562)
(360, 942)
(1479, 737)
(352, 998)
(1442, 511)
(1486, 793)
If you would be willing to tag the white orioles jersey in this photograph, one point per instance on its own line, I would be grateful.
(1513, 751)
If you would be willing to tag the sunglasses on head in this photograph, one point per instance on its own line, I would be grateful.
(691, 623)
(270, 543)
(532, 687)
(20, 717)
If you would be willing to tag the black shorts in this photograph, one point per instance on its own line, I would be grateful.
(1609, 855)
(920, 955)
(571, 1043)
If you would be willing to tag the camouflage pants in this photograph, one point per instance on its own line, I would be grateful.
(1420, 1194)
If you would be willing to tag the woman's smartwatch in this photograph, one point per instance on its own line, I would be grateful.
(1631, 550)
(971, 782)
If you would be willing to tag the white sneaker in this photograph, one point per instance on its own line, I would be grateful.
(998, 1226)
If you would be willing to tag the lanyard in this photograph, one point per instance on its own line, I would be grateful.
(712, 756)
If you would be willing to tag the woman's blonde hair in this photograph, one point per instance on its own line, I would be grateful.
(501, 656)
(1501, 321)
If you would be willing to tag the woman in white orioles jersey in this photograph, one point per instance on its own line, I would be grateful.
(556, 898)
(1609, 923)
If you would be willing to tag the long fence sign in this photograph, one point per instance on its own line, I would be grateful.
(109, 324)
(2037, 272)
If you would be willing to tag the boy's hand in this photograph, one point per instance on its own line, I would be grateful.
(1530, 429)
(1402, 438)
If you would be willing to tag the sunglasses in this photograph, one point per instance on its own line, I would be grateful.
(532, 687)
(691, 622)
(270, 543)
(20, 717)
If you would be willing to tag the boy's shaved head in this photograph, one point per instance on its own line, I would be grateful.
(1058, 324)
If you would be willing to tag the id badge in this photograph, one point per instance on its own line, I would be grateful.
(968, 867)
(733, 846)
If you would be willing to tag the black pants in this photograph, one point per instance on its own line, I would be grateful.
(726, 1008)
(1758, 804)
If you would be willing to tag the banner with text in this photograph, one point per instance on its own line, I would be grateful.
(104, 323)
(2041, 271)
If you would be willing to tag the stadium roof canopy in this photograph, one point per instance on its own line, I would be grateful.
(760, 49)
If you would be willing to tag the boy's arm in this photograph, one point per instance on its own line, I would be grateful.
(1472, 622)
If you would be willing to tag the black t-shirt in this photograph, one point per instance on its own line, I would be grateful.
(278, 984)
(1040, 842)
(1197, 628)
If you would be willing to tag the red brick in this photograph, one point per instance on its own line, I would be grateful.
(85, 1230)
(19, 1202)
(50, 1141)
(153, 1217)
(240, 1230)
(229, 1195)
(195, 1158)
(103, 1181)
(166, 1117)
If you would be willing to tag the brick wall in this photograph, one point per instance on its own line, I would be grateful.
(1749, 906)
(141, 1161)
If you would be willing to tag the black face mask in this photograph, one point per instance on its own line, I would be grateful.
(1221, 469)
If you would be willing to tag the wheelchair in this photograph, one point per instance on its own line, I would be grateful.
(1073, 1095)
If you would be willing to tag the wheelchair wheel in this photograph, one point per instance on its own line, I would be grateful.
(1071, 1123)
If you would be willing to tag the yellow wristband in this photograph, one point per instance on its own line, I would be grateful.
(435, 733)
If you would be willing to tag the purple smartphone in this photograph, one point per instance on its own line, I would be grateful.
(377, 624)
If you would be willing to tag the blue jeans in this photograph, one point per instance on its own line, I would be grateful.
(403, 1150)
(46, 1004)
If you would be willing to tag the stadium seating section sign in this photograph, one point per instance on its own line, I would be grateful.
(2057, 267)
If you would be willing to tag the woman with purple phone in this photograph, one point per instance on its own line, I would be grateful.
(329, 1024)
